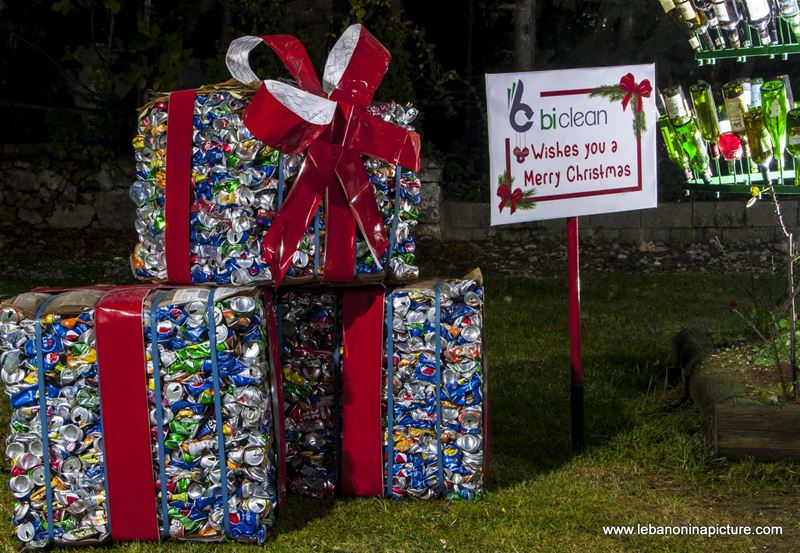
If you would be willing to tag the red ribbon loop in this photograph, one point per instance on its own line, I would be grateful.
(336, 128)
(642, 90)
(507, 196)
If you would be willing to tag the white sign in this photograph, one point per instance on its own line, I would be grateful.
(571, 142)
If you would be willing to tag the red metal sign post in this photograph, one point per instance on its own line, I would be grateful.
(576, 387)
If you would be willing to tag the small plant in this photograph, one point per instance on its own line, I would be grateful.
(775, 323)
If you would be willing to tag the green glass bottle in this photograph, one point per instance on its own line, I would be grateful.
(789, 11)
(705, 111)
(793, 133)
(760, 142)
(755, 91)
(675, 102)
(705, 7)
(673, 147)
(692, 143)
(775, 106)
(736, 101)
(685, 129)
(671, 10)
(670, 139)
(684, 12)
(787, 89)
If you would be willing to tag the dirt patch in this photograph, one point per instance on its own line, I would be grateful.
(762, 382)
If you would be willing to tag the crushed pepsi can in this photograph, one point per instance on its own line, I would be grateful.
(310, 359)
(435, 423)
(75, 451)
(193, 480)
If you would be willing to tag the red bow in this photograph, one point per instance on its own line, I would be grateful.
(331, 121)
(628, 85)
(507, 196)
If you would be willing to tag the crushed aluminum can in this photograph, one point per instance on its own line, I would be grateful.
(26, 532)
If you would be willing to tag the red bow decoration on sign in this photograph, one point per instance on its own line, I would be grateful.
(507, 196)
(642, 90)
(331, 121)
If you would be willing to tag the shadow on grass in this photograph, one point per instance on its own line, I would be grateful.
(530, 410)
(299, 512)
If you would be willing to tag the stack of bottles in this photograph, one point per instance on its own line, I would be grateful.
(744, 130)
(721, 24)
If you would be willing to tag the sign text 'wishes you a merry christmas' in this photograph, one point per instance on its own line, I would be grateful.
(571, 142)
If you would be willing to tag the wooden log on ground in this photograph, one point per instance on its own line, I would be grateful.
(767, 432)
(736, 425)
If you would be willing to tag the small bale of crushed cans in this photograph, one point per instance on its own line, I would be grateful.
(432, 438)
(195, 364)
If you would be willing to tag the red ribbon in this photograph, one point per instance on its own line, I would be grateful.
(180, 116)
(332, 123)
(277, 391)
(507, 196)
(642, 90)
(126, 415)
(362, 430)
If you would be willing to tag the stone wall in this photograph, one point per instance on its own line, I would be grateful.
(39, 198)
(673, 223)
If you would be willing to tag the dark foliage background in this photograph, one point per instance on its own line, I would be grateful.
(74, 71)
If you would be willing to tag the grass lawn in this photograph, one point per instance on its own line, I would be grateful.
(646, 462)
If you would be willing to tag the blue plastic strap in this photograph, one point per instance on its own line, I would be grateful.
(279, 327)
(336, 332)
(280, 180)
(156, 361)
(105, 466)
(439, 469)
(43, 420)
(389, 395)
(316, 242)
(393, 232)
(338, 395)
(223, 469)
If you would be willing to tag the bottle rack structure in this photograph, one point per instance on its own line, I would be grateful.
(733, 177)
(787, 45)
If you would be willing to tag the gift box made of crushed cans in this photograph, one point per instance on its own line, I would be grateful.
(399, 411)
(208, 189)
(141, 414)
